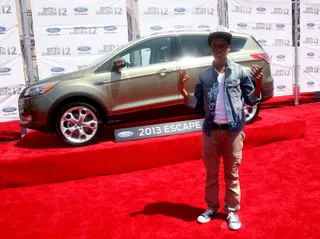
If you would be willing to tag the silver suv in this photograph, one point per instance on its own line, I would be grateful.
(141, 76)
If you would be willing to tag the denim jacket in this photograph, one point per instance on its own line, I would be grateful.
(239, 88)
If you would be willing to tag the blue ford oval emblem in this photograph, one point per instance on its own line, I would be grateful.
(242, 24)
(281, 87)
(57, 69)
(9, 109)
(179, 9)
(281, 56)
(280, 25)
(125, 134)
(261, 9)
(310, 82)
(5, 70)
(84, 48)
(262, 41)
(310, 24)
(203, 26)
(310, 54)
(81, 9)
(53, 30)
(156, 28)
(110, 28)
(2, 29)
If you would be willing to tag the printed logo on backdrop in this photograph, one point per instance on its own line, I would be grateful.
(156, 11)
(84, 50)
(281, 88)
(9, 111)
(52, 11)
(56, 51)
(280, 26)
(203, 11)
(280, 11)
(261, 10)
(281, 73)
(310, 25)
(179, 11)
(81, 67)
(5, 71)
(280, 57)
(262, 26)
(11, 90)
(311, 10)
(5, 9)
(156, 28)
(242, 26)
(8, 51)
(110, 11)
(179, 27)
(108, 48)
(242, 9)
(312, 70)
(311, 40)
(53, 31)
(281, 42)
(203, 26)
(83, 31)
(110, 29)
(81, 11)
(57, 71)
(262, 42)
(3, 30)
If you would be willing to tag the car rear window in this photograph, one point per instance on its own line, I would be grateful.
(237, 43)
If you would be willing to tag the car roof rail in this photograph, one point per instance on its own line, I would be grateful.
(183, 30)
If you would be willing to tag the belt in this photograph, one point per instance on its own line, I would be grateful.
(220, 126)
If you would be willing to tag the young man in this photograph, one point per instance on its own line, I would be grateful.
(221, 90)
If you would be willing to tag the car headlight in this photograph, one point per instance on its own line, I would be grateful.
(39, 89)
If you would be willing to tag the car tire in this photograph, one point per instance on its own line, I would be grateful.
(251, 113)
(78, 124)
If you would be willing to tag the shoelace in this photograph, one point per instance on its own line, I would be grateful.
(207, 213)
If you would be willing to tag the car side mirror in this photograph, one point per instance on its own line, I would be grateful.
(119, 64)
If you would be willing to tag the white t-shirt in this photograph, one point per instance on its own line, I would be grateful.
(220, 114)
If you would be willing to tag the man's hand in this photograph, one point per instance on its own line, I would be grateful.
(183, 78)
(257, 74)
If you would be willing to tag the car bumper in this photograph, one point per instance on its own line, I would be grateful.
(267, 90)
(33, 112)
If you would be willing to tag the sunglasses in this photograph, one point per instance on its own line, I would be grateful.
(219, 46)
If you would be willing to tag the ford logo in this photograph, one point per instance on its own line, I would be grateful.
(261, 9)
(84, 48)
(310, 24)
(57, 69)
(179, 9)
(281, 56)
(125, 134)
(242, 24)
(5, 70)
(310, 54)
(262, 41)
(203, 26)
(2, 29)
(110, 28)
(81, 9)
(310, 83)
(280, 25)
(9, 109)
(156, 28)
(53, 30)
(281, 87)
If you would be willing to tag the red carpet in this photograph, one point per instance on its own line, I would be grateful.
(42, 158)
(280, 192)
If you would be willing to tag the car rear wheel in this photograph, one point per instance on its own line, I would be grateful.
(78, 124)
(251, 112)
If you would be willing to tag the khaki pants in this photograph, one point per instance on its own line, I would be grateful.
(222, 143)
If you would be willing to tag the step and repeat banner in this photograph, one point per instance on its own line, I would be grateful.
(12, 80)
(270, 22)
(310, 45)
(70, 35)
(159, 15)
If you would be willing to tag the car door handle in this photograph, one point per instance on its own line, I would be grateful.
(163, 72)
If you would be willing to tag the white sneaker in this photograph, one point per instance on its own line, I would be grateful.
(233, 221)
(206, 216)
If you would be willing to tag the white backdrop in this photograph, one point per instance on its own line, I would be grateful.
(159, 15)
(270, 22)
(310, 45)
(12, 79)
(70, 35)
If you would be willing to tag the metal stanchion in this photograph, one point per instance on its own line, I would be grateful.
(297, 60)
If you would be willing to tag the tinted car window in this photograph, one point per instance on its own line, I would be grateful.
(237, 44)
(195, 46)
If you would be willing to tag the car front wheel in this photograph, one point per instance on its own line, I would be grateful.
(251, 112)
(78, 124)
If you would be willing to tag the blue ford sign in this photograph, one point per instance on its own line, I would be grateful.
(281, 87)
(262, 41)
(156, 28)
(179, 9)
(84, 48)
(281, 56)
(110, 28)
(310, 24)
(280, 25)
(9, 109)
(204, 26)
(5, 70)
(53, 30)
(261, 9)
(310, 83)
(310, 54)
(242, 24)
(81, 9)
(2, 29)
(125, 134)
(57, 69)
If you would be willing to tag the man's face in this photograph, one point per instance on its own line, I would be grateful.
(220, 48)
